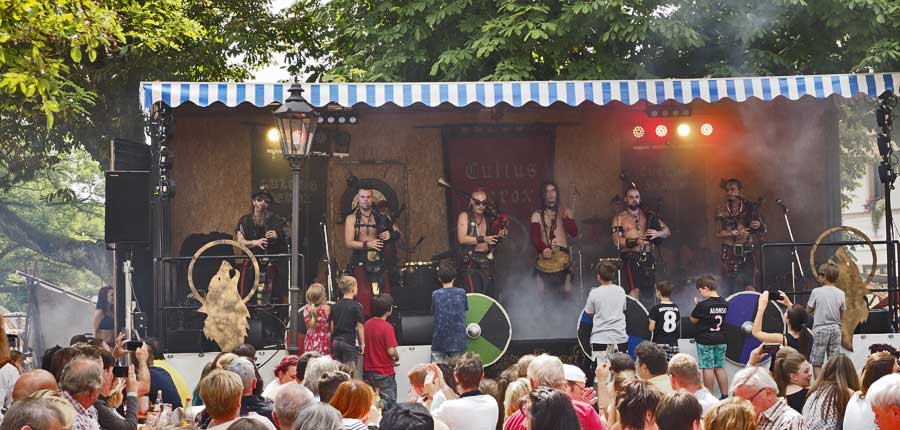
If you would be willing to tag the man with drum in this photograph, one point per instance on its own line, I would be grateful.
(478, 229)
(365, 233)
(636, 232)
(550, 226)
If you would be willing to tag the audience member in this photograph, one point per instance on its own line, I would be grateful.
(347, 324)
(797, 336)
(636, 402)
(318, 416)
(381, 355)
(80, 384)
(250, 402)
(651, 366)
(551, 409)
(448, 305)
(329, 383)
(515, 397)
(416, 377)
(316, 315)
(755, 385)
(246, 424)
(577, 391)
(546, 370)
(33, 381)
(678, 411)
(859, 414)
(665, 319)
(285, 372)
(491, 387)
(733, 413)
(408, 416)
(221, 392)
(303, 362)
(684, 374)
(792, 373)
(317, 367)
(248, 351)
(884, 395)
(621, 361)
(111, 398)
(17, 359)
(612, 412)
(155, 380)
(61, 358)
(828, 397)
(826, 304)
(47, 359)
(606, 306)
(523, 363)
(709, 316)
(154, 347)
(290, 401)
(45, 411)
(473, 410)
(353, 399)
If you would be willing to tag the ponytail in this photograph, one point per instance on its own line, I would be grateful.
(315, 297)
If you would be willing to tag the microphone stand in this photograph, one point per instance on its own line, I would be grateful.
(787, 222)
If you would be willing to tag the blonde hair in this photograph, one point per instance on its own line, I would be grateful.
(224, 359)
(733, 413)
(516, 396)
(347, 284)
(55, 401)
(315, 297)
(685, 369)
(221, 392)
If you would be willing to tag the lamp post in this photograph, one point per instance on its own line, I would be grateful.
(297, 121)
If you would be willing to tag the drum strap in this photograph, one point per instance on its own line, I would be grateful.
(549, 231)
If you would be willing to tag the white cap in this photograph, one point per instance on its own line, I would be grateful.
(574, 373)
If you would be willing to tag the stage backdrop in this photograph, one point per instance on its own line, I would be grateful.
(509, 162)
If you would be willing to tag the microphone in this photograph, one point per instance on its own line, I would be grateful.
(780, 202)
(443, 182)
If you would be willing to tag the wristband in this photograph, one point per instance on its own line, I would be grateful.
(131, 394)
(631, 243)
(365, 244)
(479, 239)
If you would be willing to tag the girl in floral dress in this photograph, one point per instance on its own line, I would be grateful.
(315, 315)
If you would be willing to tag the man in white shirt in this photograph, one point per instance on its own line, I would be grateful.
(684, 374)
(884, 395)
(472, 410)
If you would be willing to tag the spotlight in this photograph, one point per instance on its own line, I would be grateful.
(352, 120)
(321, 120)
(342, 119)
(273, 135)
(884, 144)
(331, 120)
(683, 130)
(638, 131)
(706, 129)
(661, 130)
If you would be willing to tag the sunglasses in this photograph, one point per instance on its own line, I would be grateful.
(477, 202)
(262, 199)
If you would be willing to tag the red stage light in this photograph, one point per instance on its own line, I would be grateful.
(662, 131)
(638, 131)
(706, 129)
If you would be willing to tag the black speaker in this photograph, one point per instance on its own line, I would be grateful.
(127, 207)
(879, 321)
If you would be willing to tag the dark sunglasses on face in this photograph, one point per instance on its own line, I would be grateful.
(262, 199)
(477, 202)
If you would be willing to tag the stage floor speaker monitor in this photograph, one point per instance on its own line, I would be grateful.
(127, 207)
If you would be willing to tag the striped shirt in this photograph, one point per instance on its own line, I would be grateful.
(780, 416)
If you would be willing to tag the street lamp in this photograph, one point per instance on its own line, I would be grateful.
(297, 121)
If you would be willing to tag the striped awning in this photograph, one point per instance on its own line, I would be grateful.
(543, 93)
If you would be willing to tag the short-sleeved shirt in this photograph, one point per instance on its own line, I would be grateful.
(449, 306)
(379, 337)
(160, 380)
(607, 305)
(711, 328)
(828, 302)
(345, 314)
(668, 323)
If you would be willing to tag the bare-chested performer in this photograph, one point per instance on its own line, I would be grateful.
(550, 226)
(365, 233)
(740, 227)
(636, 232)
(477, 230)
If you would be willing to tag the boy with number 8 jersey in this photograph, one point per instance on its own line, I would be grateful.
(709, 316)
(665, 320)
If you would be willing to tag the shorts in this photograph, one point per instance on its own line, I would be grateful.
(711, 356)
(826, 338)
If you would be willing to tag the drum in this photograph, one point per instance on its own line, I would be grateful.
(487, 327)
(558, 262)
(637, 326)
(738, 320)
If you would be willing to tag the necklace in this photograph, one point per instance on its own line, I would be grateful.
(733, 214)
(637, 220)
(368, 220)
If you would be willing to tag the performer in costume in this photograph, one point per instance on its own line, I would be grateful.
(740, 227)
(549, 227)
(366, 232)
(636, 232)
(478, 229)
(264, 232)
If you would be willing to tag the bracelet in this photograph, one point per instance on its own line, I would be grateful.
(479, 239)
(631, 243)
(131, 394)
(365, 244)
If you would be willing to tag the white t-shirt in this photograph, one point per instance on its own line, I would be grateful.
(9, 374)
(859, 415)
(706, 399)
(478, 412)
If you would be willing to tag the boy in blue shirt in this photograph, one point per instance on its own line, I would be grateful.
(448, 305)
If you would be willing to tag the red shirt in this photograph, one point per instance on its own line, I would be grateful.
(379, 337)
(587, 416)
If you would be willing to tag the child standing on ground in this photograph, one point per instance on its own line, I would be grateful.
(381, 354)
(347, 324)
(448, 305)
(606, 306)
(315, 315)
(665, 320)
(709, 316)
(826, 304)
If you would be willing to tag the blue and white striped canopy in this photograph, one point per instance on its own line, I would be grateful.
(544, 93)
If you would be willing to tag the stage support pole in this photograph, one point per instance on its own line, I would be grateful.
(294, 288)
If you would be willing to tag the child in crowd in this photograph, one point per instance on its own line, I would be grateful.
(381, 355)
(665, 320)
(448, 305)
(826, 304)
(606, 306)
(316, 314)
(347, 324)
(709, 316)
